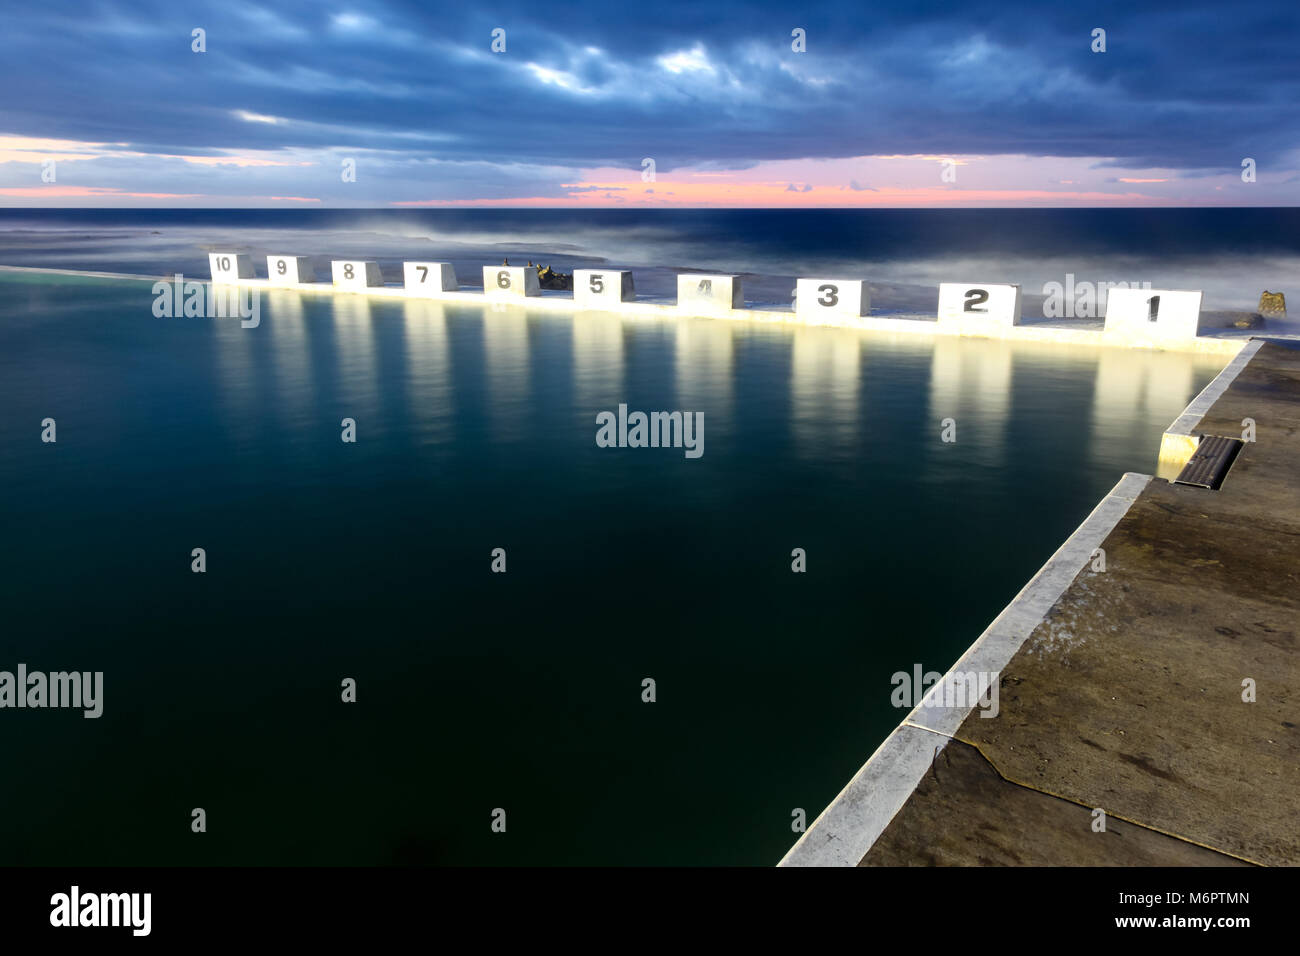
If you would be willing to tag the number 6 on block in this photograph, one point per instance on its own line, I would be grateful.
(597, 288)
(831, 297)
(356, 274)
(979, 303)
(510, 281)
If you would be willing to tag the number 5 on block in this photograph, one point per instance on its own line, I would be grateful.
(597, 288)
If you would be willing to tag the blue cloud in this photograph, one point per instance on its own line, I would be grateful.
(415, 93)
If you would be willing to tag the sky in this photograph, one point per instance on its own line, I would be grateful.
(391, 104)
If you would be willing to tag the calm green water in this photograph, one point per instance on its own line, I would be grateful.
(520, 690)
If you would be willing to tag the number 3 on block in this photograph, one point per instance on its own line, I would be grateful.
(823, 298)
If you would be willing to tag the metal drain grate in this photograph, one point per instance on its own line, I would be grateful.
(1210, 462)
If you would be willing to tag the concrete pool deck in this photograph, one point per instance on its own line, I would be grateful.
(1121, 690)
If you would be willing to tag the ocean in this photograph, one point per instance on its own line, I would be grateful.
(476, 431)
(1232, 254)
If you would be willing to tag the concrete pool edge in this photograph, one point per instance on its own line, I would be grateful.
(848, 827)
(1084, 333)
(1180, 439)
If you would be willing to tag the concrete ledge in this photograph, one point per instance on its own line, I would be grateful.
(857, 817)
(561, 302)
(844, 832)
(645, 307)
(1180, 439)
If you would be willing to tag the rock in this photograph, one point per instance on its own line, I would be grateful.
(548, 278)
(1272, 304)
(1241, 320)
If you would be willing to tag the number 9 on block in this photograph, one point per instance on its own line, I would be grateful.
(831, 297)
(289, 270)
(979, 303)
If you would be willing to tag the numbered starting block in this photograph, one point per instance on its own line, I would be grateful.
(708, 293)
(600, 288)
(289, 270)
(429, 277)
(826, 298)
(1153, 314)
(979, 304)
(230, 267)
(513, 282)
(356, 274)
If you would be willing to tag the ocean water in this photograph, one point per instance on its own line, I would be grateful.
(477, 691)
(1231, 254)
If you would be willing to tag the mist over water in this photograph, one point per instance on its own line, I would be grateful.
(1232, 254)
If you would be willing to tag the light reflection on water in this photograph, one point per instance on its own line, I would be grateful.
(476, 429)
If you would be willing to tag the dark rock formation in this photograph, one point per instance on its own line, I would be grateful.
(1272, 304)
(548, 278)
(1239, 320)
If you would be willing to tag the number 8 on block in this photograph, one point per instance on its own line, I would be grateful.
(356, 274)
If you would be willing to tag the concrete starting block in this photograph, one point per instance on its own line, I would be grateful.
(289, 270)
(1153, 315)
(510, 281)
(355, 274)
(429, 277)
(979, 304)
(708, 293)
(831, 297)
(230, 266)
(597, 288)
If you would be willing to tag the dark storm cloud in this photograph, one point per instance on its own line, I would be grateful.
(1182, 86)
